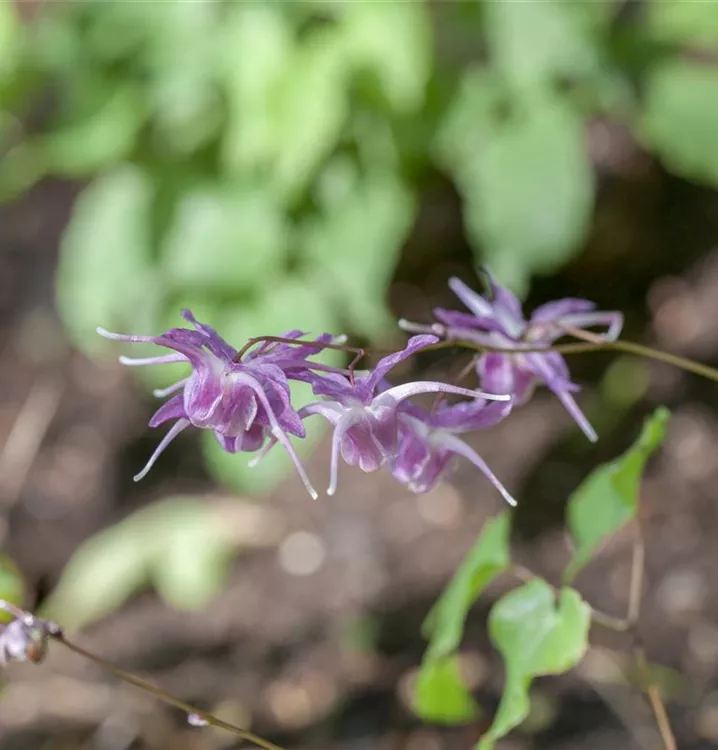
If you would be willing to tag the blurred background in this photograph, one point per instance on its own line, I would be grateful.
(328, 166)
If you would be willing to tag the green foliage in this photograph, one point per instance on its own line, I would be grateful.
(683, 23)
(534, 44)
(177, 545)
(106, 276)
(608, 498)
(487, 558)
(536, 635)
(681, 118)
(12, 585)
(440, 694)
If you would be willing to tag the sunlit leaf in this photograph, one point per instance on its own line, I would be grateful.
(532, 43)
(225, 240)
(440, 695)
(10, 31)
(353, 245)
(526, 180)
(177, 544)
(487, 558)
(680, 119)
(104, 138)
(12, 585)
(694, 24)
(105, 276)
(393, 41)
(608, 498)
(536, 635)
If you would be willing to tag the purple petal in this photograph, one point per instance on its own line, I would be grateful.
(506, 304)
(406, 390)
(277, 430)
(497, 372)
(172, 409)
(551, 311)
(612, 320)
(175, 430)
(561, 387)
(461, 448)
(466, 417)
(479, 306)
(412, 458)
(340, 430)
(415, 344)
(213, 341)
(455, 319)
(204, 392)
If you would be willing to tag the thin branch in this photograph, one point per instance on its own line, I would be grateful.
(148, 687)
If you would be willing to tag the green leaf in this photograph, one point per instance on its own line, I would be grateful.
(533, 43)
(440, 695)
(177, 544)
(526, 181)
(182, 82)
(10, 31)
(393, 41)
(225, 240)
(608, 498)
(680, 118)
(680, 22)
(105, 276)
(487, 558)
(353, 244)
(292, 304)
(535, 636)
(255, 55)
(105, 137)
(12, 585)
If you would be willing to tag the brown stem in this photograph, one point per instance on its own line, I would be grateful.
(171, 700)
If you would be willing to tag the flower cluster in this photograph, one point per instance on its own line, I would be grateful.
(25, 638)
(498, 323)
(244, 397)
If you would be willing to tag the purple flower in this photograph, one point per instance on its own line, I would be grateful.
(25, 638)
(428, 442)
(364, 414)
(499, 323)
(243, 402)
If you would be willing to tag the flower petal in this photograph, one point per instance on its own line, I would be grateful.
(172, 409)
(384, 365)
(462, 449)
(551, 311)
(175, 430)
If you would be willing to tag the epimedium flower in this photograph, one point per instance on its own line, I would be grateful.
(363, 411)
(499, 322)
(25, 637)
(428, 442)
(244, 400)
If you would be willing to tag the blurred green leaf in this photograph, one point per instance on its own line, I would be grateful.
(393, 41)
(536, 42)
(526, 180)
(258, 45)
(225, 240)
(10, 31)
(692, 23)
(487, 558)
(182, 82)
(441, 696)
(292, 304)
(608, 498)
(353, 245)
(536, 636)
(680, 118)
(103, 139)
(22, 166)
(105, 275)
(177, 544)
(12, 585)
